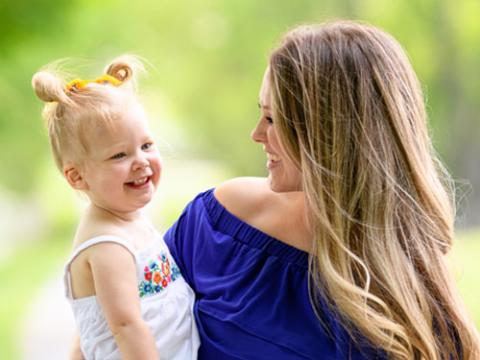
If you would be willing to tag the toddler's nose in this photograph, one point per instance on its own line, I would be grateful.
(140, 163)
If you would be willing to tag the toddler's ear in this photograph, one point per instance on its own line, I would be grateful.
(74, 177)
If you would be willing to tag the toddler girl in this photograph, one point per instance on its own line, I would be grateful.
(127, 294)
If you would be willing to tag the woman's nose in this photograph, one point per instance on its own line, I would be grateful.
(258, 132)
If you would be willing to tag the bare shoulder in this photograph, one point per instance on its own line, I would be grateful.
(92, 226)
(245, 196)
(102, 254)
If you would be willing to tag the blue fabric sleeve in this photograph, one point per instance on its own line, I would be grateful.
(252, 299)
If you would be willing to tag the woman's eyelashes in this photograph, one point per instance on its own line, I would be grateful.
(268, 118)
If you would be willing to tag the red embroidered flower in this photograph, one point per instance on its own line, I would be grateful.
(148, 276)
(164, 283)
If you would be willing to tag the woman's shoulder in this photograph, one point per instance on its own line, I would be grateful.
(244, 197)
(279, 215)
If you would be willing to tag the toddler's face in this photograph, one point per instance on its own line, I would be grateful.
(123, 168)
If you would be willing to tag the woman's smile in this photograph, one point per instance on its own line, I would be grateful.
(272, 161)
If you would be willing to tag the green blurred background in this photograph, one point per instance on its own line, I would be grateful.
(206, 63)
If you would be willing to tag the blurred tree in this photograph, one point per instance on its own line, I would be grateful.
(23, 23)
(455, 107)
(209, 58)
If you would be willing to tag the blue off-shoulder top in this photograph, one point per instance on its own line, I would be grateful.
(252, 298)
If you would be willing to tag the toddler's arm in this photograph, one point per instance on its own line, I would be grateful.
(75, 351)
(114, 276)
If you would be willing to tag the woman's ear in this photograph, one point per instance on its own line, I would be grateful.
(74, 177)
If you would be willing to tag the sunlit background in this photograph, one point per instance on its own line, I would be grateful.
(206, 60)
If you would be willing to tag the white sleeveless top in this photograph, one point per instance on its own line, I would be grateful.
(166, 303)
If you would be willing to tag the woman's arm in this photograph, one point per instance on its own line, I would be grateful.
(114, 275)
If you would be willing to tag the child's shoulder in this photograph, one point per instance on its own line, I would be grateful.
(99, 243)
(135, 234)
(98, 230)
(92, 226)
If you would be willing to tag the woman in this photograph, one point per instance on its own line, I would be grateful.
(340, 253)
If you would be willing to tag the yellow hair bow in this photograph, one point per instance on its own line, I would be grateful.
(80, 84)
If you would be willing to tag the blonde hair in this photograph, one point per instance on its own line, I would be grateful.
(70, 111)
(351, 115)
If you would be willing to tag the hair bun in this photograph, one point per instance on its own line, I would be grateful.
(120, 71)
(49, 87)
(125, 67)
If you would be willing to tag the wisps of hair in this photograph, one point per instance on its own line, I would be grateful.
(69, 112)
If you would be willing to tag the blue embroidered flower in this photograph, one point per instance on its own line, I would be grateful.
(147, 288)
(175, 272)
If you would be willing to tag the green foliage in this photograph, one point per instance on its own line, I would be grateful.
(21, 20)
(209, 58)
(25, 27)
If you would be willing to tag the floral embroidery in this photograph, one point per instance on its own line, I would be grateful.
(157, 275)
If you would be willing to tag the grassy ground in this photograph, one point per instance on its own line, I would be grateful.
(22, 275)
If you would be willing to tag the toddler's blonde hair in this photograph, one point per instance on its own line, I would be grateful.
(71, 111)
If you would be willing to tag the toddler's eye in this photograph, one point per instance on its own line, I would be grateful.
(118, 156)
(147, 146)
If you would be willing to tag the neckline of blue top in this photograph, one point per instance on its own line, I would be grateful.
(224, 221)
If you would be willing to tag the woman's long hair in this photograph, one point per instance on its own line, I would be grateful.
(351, 114)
